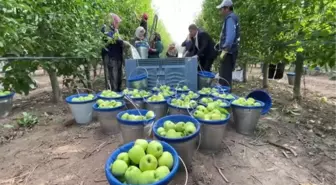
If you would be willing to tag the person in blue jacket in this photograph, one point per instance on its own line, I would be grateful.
(229, 41)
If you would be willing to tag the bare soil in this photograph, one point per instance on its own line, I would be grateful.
(56, 152)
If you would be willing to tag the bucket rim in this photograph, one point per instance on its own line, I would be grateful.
(126, 147)
(156, 102)
(140, 98)
(96, 108)
(265, 98)
(207, 74)
(290, 74)
(179, 95)
(137, 77)
(249, 107)
(141, 44)
(222, 87)
(10, 95)
(143, 112)
(176, 107)
(228, 103)
(69, 98)
(214, 122)
(235, 96)
(107, 98)
(176, 140)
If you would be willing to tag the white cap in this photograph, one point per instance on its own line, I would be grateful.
(227, 3)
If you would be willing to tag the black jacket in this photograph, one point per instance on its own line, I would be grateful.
(206, 46)
(143, 24)
(190, 47)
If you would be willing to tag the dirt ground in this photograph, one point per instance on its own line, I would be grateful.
(52, 153)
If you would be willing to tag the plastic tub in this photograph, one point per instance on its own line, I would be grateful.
(291, 78)
(246, 118)
(107, 118)
(125, 148)
(185, 146)
(6, 104)
(212, 133)
(82, 111)
(264, 97)
(108, 98)
(205, 78)
(133, 130)
(160, 108)
(172, 109)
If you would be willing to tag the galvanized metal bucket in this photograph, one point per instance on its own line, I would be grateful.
(204, 79)
(185, 146)
(142, 48)
(137, 103)
(160, 108)
(138, 81)
(6, 104)
(82, 111)
(291, 78)
(133, 130)
(246, 118)
(107, 118)
(173, 110)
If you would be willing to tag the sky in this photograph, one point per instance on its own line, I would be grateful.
(177, 15)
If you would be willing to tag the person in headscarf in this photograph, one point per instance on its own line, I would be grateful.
(112, 53)
(143, 22)
(156, 47)
(172, 51)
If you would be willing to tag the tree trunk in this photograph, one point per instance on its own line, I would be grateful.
(54, 85)
(298, 75)
(245, 68)
(87, 67)
(265, 75)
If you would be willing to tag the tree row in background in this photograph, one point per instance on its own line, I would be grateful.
(273, 31)
(62, 28)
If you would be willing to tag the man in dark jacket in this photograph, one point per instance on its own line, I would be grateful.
(205, 47)
(229, 41)
(190, 49)
(143, 22)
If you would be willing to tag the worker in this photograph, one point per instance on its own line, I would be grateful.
(190, 49)
(140, 33)
(143, 22)
(205, 47)
(172, 51)
(156, 47)
(229, 40)
(112, 54)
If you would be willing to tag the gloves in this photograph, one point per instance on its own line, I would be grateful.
(224, 52)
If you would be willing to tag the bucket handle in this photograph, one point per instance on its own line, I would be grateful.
(137, 69)
(178, 85)
(77, 89)
(127, 97)
(217, 77)
(186, 170)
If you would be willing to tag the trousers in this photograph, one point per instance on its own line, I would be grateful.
(114, 70)
(227, 66)
(205, 64)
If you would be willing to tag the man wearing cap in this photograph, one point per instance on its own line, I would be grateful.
(143, 22)
(229, 40)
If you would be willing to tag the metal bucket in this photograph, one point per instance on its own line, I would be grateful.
(246, 118)
(174, 110)
(159, 108)
(81, 111)
(204, 79)
(6, 104)
(185, 146)
(142, 48)
(133, 130)
(107, 118)
(138, 102)
(291, 78)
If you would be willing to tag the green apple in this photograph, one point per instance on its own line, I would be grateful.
(211, 106)
(200, 108)
(132, 175)
(147, 177)
(171, 133)
(141, 142)
(125, 116)
(167, 125)
(166, 159)
(150, 114)
(122, 179)
(163, 133)
(161, 172)
(119, 167)
(215, 116)
(179, 127)
(148, 162)
(189, 129)
(189, 123)
(123, 156)
(160, 130)
(136, 153)
(199, 114)
(155, 148)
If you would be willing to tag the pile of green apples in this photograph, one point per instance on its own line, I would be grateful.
(250, 102)
(83, 98)
(110, 94)
(176, 130)
(183, 103)
(165, 90)
(156, 98)
(218, 102)
(135, 93)
(183, 88)
(132, 117)
(4, 93)
(223, 95)
(208, 90)
(145, 163)
(108, 103)
(190, 95)
(211, 112)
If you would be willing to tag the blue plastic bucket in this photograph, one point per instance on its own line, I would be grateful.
(246, 117)
(222, 88)
(264, 97)
(139, 81)
(205, 78)
(6, 104)
(172, 109)
(107, 117)
(125, 148)
(82, 111)
(184, 146)
(114, 98)
(133, 130)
